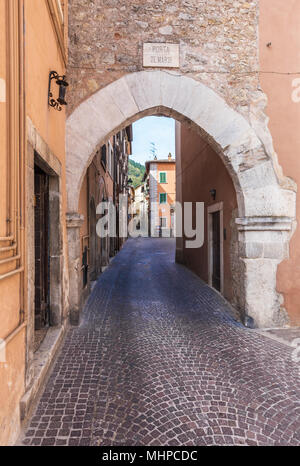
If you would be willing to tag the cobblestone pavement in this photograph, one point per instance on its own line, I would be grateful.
(157, 360)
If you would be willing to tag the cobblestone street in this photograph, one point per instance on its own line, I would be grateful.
(158, 360)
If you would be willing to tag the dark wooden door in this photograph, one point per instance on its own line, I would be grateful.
(41, 238)
(216, 251)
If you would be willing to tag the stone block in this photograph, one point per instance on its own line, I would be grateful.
(123, 98)
(145, 88)
(262, 302)
(277, 250)
(251, 250)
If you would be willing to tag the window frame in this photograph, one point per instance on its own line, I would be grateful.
(165, 196)
(165, 175)
(160, 222)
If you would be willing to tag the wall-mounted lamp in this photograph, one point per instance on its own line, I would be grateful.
(63, 84)
(213, 193)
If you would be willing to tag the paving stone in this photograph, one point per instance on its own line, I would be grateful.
(159, 360)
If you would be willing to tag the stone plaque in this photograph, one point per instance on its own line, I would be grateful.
(161, 55)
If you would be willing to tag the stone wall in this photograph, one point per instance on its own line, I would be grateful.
(218, 43)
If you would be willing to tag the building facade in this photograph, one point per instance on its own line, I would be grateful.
(33, 240)
(140, 209)
(105, 181)
(161, 181)
(36, 265)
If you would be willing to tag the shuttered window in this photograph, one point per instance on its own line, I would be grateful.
(162, 177)
(162, 198)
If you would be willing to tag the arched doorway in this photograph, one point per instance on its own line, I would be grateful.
(266, 204)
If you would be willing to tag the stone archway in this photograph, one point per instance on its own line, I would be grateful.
(266, 201)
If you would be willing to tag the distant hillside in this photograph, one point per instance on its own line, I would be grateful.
(135, 172)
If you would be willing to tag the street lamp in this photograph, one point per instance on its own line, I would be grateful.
(213, 193)
(63, 84)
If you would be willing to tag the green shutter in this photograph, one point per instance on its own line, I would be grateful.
(162, 198)
(163, 177)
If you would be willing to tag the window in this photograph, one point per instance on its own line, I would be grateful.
(163, 177)
(163, 222)
(162, 198)
(110, 160)
(103, 155)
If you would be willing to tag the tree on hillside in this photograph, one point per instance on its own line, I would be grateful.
(136, 172)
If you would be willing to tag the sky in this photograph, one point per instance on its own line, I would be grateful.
(160, 130)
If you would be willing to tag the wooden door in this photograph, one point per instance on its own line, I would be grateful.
(216, 251)
(41, 238)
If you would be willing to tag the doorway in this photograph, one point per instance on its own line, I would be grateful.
(215, 246)
(41, 239)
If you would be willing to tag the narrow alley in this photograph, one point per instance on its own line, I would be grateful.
(159, 360)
